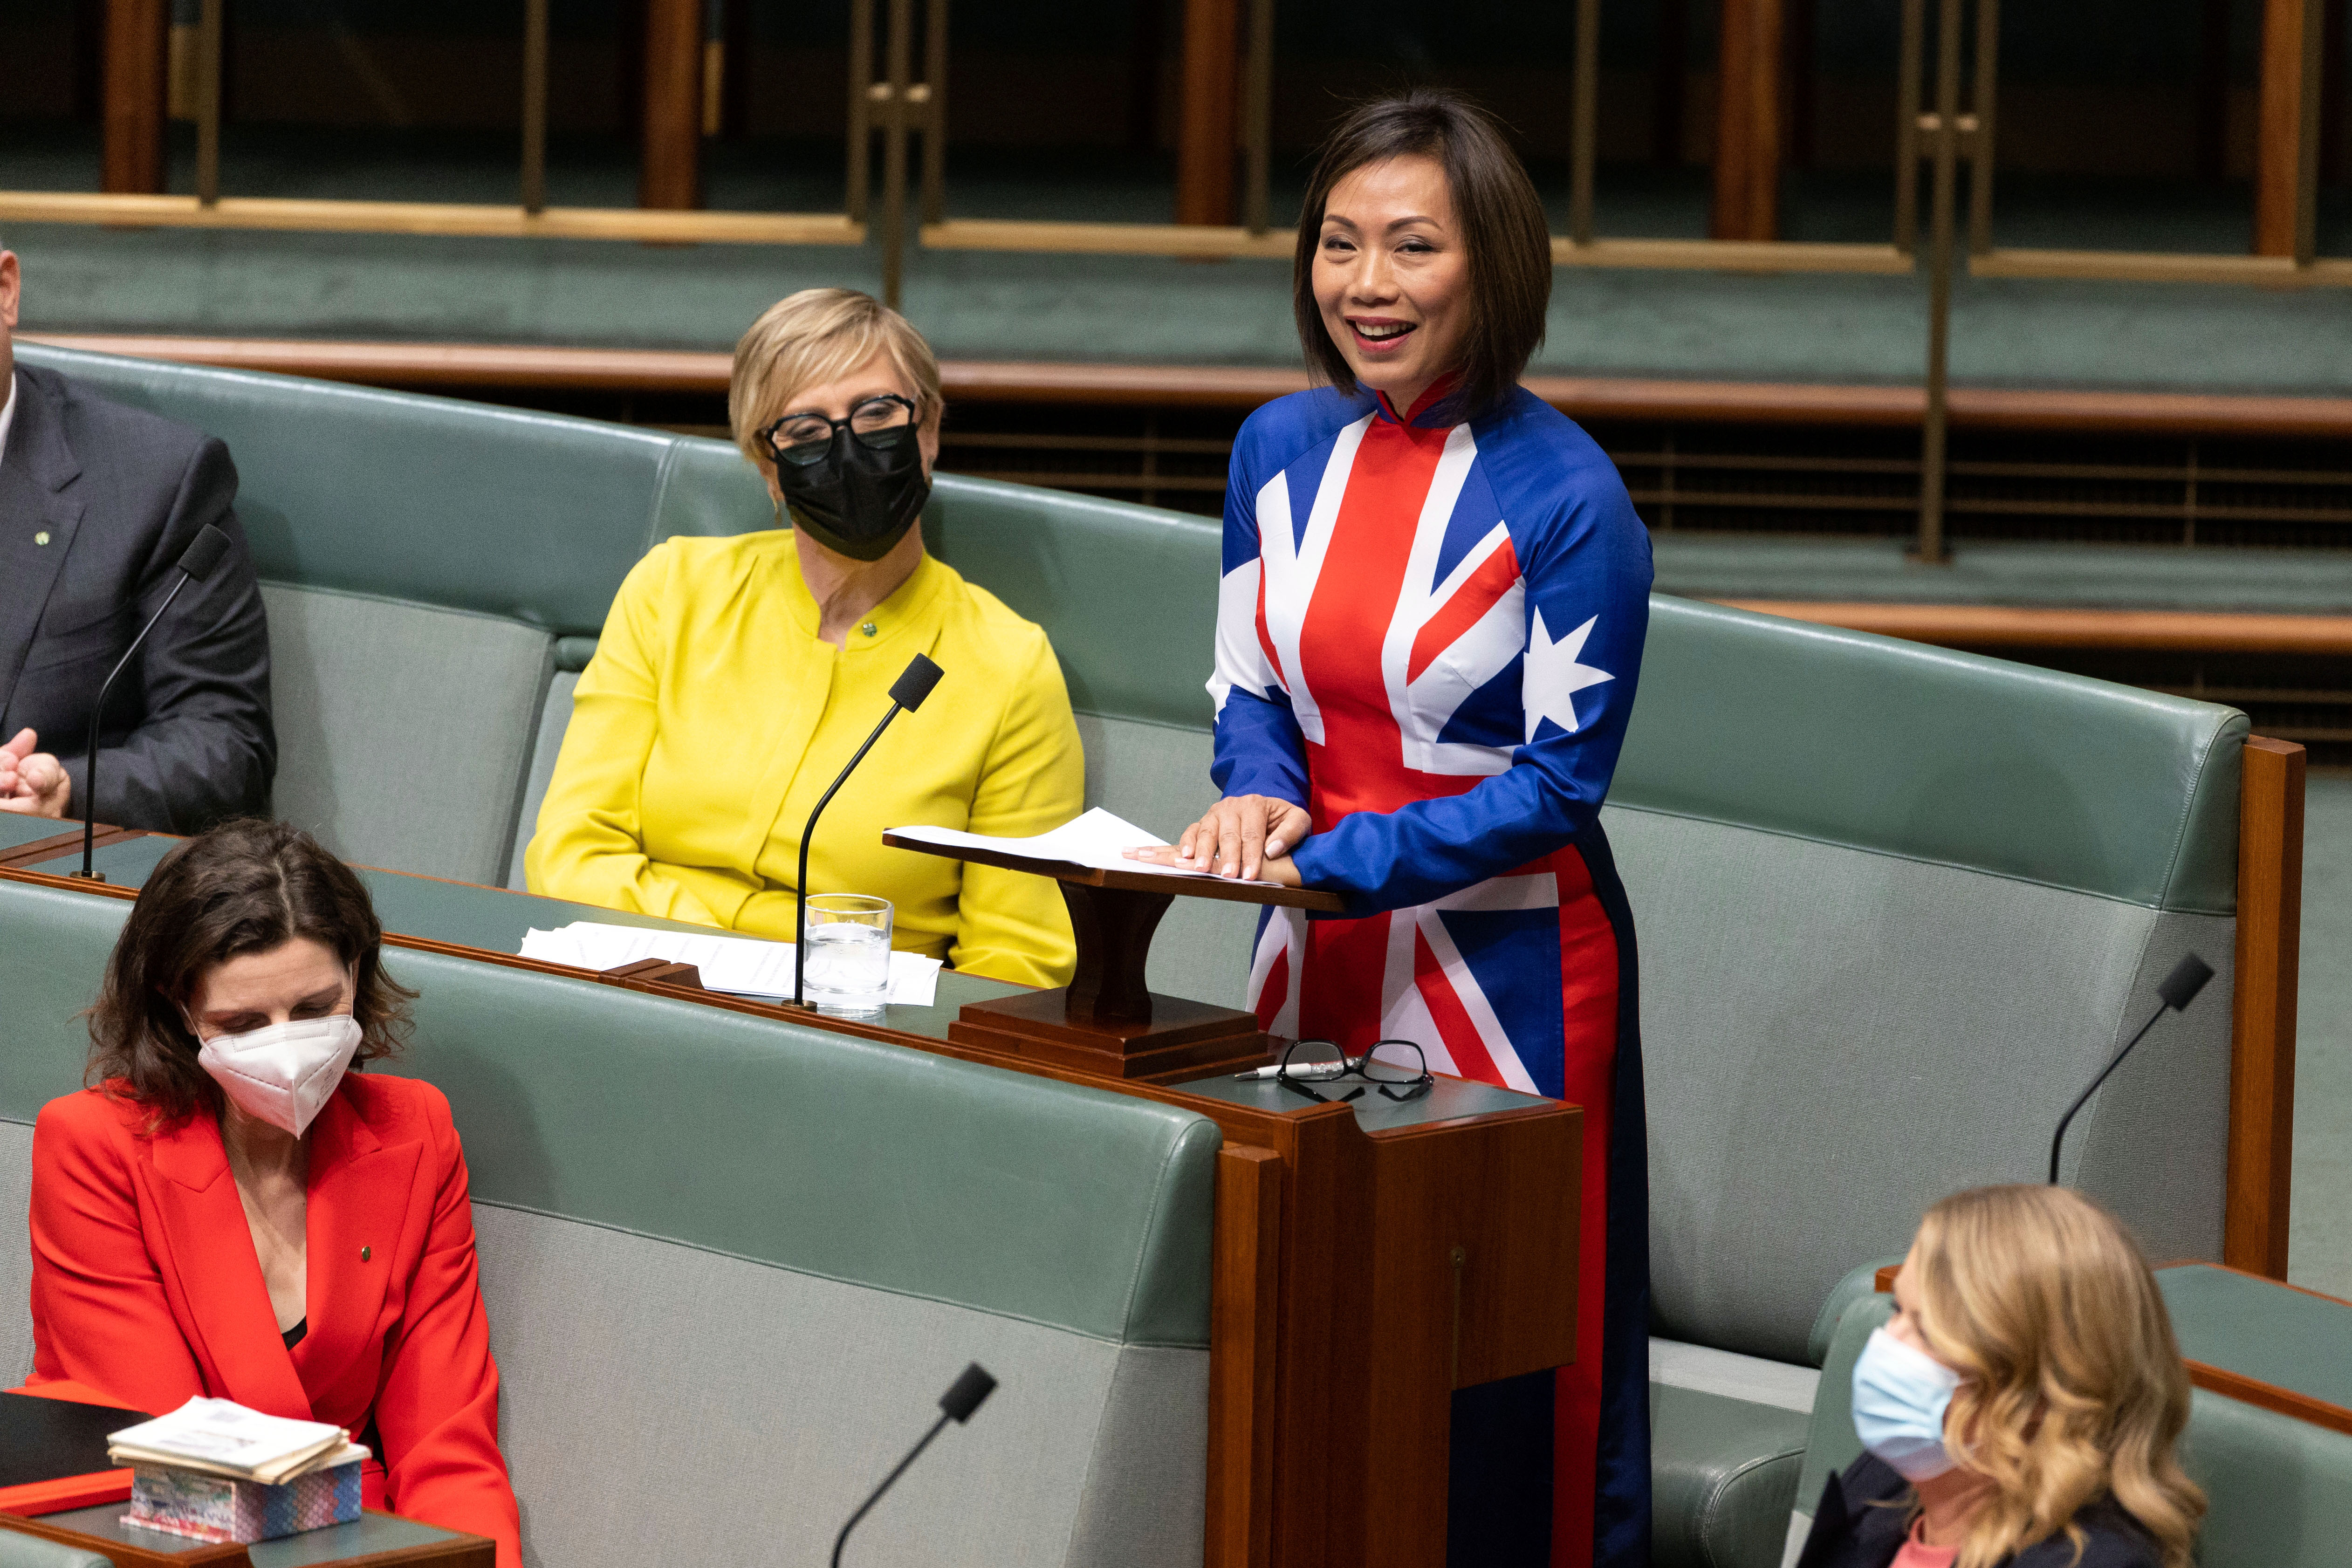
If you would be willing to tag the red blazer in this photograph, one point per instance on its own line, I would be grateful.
(146, 1289)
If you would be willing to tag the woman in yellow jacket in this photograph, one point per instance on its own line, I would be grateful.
(735, 676)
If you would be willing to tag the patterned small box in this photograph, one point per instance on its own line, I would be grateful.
(212, 1507)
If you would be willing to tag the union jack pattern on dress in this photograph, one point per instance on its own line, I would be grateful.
(1429, 636)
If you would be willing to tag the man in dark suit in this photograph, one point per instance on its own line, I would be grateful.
(97, 504)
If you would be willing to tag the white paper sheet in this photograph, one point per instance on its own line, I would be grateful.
(223, 1432)
(738, 965)
(1098, 839)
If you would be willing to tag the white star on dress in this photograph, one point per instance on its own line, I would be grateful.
(1552, 676)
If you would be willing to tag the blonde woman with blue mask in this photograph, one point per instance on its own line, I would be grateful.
(2023, 1405)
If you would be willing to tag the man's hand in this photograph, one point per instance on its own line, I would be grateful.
(1245, 836)
(32, 783)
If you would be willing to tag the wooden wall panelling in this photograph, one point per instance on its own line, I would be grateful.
(134, 89)
(1322, 1410)
(1246, 1291)
(2262, 1058)
(2286, 129)
(2213, 90)
(669, 172)
(1436, 1317)
(1669, 82)
(1205, 118)
(469, 368)
(1749, 97)
(2332, 105)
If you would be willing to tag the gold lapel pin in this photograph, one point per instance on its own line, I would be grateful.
(42, 538)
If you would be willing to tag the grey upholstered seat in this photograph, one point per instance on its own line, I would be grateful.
(404, 729)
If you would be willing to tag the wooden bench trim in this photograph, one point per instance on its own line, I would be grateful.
(2005, 626)
(2263, 1008)
(455, 366)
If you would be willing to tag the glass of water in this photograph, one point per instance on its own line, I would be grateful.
(847, 970)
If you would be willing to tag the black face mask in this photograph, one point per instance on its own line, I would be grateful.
(859, 498)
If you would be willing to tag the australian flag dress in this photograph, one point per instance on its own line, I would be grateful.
(1428, 635)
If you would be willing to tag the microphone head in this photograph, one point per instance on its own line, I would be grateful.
(206, 553)
(973, 1389)
(915, 686)
(2187, 978)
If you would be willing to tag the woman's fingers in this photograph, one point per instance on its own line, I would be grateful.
(1235, 838)
(1252, 845)
(1197, 840)
(1287, 828)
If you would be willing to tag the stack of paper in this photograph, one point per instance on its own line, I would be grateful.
(738, 965)
(1099, 839)
(222, 1437)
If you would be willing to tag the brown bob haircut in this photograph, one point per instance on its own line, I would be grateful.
(245, 887)
(1502, 230)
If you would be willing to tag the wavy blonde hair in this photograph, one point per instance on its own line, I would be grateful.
(816, 336)
(2073, 1386)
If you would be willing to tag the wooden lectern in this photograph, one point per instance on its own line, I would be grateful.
(1107, 1020)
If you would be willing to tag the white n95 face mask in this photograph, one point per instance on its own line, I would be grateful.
(1900, 1395)
(283, 1074)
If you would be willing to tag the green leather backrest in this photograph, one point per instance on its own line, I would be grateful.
(2279, 1490)
(460, 505)
(1896, 746)
(866, 1162)
(1830, 1443)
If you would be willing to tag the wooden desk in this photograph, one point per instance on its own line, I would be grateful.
(371, 1540)
(2263, 1342)
(1368, 1259)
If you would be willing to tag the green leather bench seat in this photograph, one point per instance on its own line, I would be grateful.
(730, 1263)
(2279, 1490)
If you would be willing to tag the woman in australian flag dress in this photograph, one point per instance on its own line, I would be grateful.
(1428, 635)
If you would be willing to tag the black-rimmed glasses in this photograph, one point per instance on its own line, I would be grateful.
(1401, 1074)
(879, 422)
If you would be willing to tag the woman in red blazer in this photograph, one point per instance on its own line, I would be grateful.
(237, 1211)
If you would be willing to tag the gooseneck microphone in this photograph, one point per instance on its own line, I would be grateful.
(195, 564)
(2176, 990)
(962, 1397)
(912, 687)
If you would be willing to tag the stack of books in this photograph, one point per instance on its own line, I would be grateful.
(215, 1470)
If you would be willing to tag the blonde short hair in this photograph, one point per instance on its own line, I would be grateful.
(2072, 1386)
(816, 336)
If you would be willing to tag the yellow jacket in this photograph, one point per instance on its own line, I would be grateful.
(712, 718)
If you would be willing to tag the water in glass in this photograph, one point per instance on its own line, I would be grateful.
(848, 965)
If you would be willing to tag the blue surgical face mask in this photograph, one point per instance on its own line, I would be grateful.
(1900, 1396)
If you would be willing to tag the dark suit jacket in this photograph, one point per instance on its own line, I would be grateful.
(1851, 1531)
(186, 740)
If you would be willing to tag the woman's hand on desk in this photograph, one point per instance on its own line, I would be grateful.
(1245, 836)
